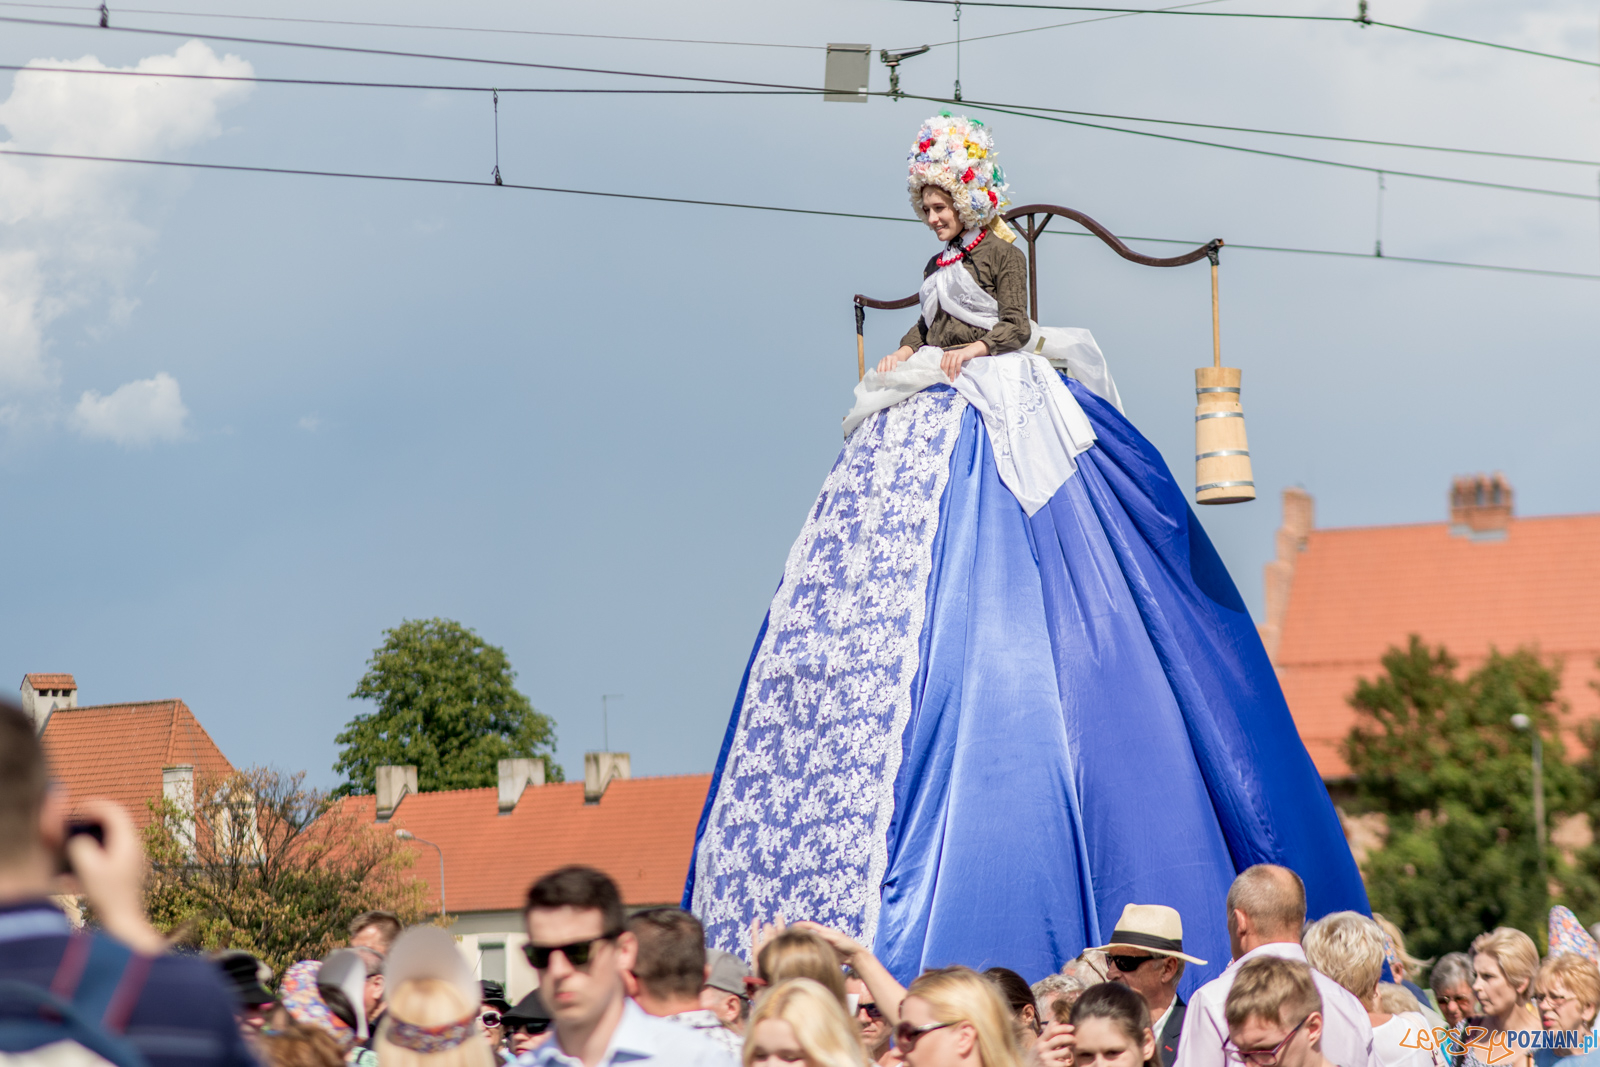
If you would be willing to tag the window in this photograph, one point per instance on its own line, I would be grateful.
(492, 962)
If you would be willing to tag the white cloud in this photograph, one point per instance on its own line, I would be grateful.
(137, 414)
(309, 423)
(69, 230)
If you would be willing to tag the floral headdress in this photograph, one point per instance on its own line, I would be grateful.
(956, 154)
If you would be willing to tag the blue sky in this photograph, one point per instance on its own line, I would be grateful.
(247, 422)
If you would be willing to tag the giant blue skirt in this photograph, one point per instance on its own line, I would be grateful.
(967, 735)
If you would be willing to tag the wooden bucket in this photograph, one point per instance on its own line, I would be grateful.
(1221, 453)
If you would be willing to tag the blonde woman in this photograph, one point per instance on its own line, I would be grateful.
(801, 953)
(1567, 991)
(1504, 961)
(800, 1022)
(432, 1018)
(955, 1017)
(1348, 948)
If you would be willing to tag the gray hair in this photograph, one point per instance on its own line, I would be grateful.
(1273, 897)
(1453, 969)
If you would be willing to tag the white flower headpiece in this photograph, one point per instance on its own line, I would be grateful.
(956, 154)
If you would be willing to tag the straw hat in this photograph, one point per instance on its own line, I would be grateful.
(1155, 928)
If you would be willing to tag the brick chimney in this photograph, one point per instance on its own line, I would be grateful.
(44, 693)
(393, 785)
(1299, 519)
(600, 769)
(1480, 504)
(515, 776)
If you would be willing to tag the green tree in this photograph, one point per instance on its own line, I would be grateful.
(446, 704)
(1438, 755)
(258, 862)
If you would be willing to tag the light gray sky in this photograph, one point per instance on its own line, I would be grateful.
(248, 421)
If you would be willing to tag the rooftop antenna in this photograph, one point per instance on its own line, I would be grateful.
(892, 60)
(605, 718)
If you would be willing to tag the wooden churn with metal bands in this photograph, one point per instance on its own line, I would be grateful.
(1222, 472)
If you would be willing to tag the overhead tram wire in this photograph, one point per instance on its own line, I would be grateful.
(1355, 19)
(305, 172)
(1021, 110)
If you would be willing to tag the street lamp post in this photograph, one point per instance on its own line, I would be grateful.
(1523, 723)
(406, 835)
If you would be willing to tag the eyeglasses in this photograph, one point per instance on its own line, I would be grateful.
(1129, 964)
(578, 953)
(533, 1027)
(1555, 999)
(1261, 1057)
(871, 1009)
(906, 1036)
(491, 1019)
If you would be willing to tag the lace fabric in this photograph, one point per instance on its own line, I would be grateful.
(800, 822)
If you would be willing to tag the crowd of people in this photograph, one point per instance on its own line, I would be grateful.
(616, 987)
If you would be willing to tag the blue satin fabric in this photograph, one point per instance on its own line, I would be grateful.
(1095, 723)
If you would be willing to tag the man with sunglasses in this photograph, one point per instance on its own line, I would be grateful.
(875, 1031)
(1266, 912)
(581, 950)
(1274, 1015)
(1146, 955)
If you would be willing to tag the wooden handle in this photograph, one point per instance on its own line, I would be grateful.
(861, 357)
(1216, 320)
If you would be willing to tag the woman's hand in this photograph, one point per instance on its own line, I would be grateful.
(955, 358)
(895, 358)
(1054, 1047)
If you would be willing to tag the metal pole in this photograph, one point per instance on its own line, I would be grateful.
(406, 835)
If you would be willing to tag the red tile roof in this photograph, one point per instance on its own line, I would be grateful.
(641, 833)
(1355, 592)
(49, 681)
(117, 751)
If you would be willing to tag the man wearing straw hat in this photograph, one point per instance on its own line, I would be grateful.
(1146, 955)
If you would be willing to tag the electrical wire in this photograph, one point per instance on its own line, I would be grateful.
(304, 172)
(415, 26)
(1359, 21)
(1058, 25)
(1024, 110)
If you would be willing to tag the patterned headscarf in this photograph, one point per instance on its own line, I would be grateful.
(1568, 935)
(300, 995)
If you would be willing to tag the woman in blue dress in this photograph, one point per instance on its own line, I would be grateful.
(1006, 685)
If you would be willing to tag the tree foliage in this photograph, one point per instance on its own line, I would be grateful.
(1437, 754)
(259, 862)
(447, 704)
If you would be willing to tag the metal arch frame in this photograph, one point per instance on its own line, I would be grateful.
(1029, 231)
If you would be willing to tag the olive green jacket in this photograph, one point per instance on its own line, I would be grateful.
(1001, 270)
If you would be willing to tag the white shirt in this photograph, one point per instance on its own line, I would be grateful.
(707, 1025)
(640, 1038)
(1396, 1044)
(1346, 1030)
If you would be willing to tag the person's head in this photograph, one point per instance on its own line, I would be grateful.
(1274, 1015)
(246, 977)
(799, 1021)
(1404, 966)
(1146, 953)
(492, 1008)
(725, 994)
(1504, 961)
(430, 1023)
(1056, 994)
(671, 963)
(296, 1045)
(1266, 904)
(874, 1027)
(801, 954)
(526, 1025)
(577, 943)
(375, 930)
(939, 212)
(1567, 992)
(344, 980)
(1451, 982)
(1111, 1024)
(372, 990)
(1348, 948)
(32, 816)
(956, 156)
(1018, 996)
(955, 1017)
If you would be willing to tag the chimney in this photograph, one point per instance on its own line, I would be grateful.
(1480, 507)
(393, 784)
(600, 769)
(177, 788)
(1299, 519)
(516, 775)
(44, 693)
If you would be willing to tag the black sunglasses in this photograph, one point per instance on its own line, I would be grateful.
(532, 1027)
(871, 1009)
(1129, 964)
(578, 953)
(906, 1036)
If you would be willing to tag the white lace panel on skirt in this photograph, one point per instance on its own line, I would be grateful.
(799, 825)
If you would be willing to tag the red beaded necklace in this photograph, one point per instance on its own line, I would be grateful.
(956, 255)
